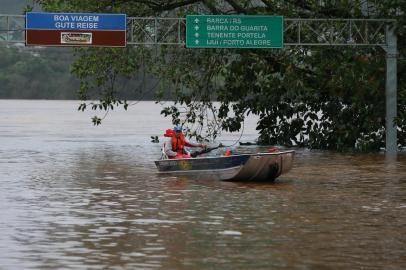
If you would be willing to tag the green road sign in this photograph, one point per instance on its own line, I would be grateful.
(226, 31)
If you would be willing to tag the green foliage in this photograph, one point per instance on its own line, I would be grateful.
(100, 70)
(329, 98)
(320, 102)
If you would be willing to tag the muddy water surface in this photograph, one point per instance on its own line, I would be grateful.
(73, 196)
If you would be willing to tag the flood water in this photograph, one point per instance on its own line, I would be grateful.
(74, 196)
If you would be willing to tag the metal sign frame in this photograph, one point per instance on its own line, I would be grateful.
(297, 32)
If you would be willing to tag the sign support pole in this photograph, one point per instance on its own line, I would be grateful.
(391, 91)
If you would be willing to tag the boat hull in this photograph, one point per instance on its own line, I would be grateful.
(248, 167)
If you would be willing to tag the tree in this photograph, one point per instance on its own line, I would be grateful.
(330, 98)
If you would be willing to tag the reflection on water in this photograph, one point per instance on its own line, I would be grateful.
(74, 196)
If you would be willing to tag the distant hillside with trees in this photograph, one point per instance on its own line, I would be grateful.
(44, 73)
(40, 74)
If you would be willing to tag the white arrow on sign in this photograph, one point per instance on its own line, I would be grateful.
(197, 35)
(197, 20)
(196, 28)
(197, 41)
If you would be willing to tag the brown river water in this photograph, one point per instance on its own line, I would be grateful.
(74, 196)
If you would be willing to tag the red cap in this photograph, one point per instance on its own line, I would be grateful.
(169, 132)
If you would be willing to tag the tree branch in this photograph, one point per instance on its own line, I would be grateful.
(211, 7)
(158, 6)
(236, 7)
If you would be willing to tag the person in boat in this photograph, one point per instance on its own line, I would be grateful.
(175, 146)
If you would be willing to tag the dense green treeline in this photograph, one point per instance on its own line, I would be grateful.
(36, 74)
(44, 73)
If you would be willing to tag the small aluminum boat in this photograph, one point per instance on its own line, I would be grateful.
(245, 167)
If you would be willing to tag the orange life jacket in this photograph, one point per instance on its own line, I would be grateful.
(178, 143)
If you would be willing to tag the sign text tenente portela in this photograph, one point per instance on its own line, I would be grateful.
(229, 31)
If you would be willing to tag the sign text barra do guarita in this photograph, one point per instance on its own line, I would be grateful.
(76, 29)
(229, 31)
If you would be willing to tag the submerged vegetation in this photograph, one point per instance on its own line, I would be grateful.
(325, 98)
